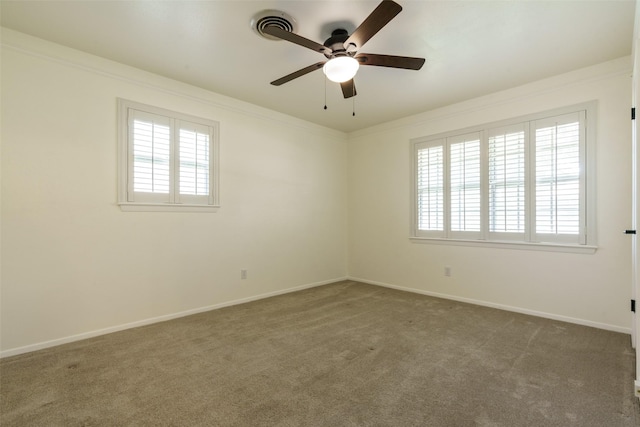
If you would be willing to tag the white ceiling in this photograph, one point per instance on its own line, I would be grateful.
(471, 48)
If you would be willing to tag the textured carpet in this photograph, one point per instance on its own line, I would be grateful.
(345, 354)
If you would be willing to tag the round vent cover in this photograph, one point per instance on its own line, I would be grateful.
(273, 17)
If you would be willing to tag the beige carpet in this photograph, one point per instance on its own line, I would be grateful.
(346, 354)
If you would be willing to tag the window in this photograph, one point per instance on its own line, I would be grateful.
(168, 161)
(521, 181)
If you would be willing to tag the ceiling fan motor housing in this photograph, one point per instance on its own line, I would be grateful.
(336, 44)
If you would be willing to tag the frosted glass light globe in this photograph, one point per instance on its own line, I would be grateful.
(341, 69)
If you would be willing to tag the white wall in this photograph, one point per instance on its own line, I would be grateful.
(590, 289)
(75, 265)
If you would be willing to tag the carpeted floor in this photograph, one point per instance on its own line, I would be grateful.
(345, 354)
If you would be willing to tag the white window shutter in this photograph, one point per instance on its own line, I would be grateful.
(506, 182)
(526, 181)
(167, 161)
(150, 157)
(464, 184)
(194, 149)
(430, 188)
(559, 203)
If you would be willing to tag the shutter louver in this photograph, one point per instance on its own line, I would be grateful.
(465, 195)
(430, 169)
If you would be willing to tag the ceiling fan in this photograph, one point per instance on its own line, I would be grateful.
(341, 50)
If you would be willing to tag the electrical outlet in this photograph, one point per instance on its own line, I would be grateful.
(243, 274)
(447, 271)
(637, 388)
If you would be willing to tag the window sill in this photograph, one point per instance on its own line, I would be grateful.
(166, 207)
(548, 247)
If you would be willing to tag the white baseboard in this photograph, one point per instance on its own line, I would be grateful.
(545, 315)
(144, 322)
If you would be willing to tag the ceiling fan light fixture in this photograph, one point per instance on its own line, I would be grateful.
(341, 68)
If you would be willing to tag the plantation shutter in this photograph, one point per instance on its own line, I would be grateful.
(464, 184)
(150, 157)
(167, 161)
(430, 188)
(506, 182)
(559, 182)
(194, 164)
(525, 181)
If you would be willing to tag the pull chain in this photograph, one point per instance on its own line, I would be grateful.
(354, 106)
(325, 93)
(353, 99)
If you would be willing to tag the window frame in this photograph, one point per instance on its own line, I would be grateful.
(527, 239)
(130, 200)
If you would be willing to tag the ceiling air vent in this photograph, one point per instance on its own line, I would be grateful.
(276, 18)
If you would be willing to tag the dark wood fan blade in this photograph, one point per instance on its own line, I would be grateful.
(272, 30)
(298, 73)
(405, 62)
(348, 88)
(385, 12)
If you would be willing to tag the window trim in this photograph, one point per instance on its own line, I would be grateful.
(487, 239)
(148, 204)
